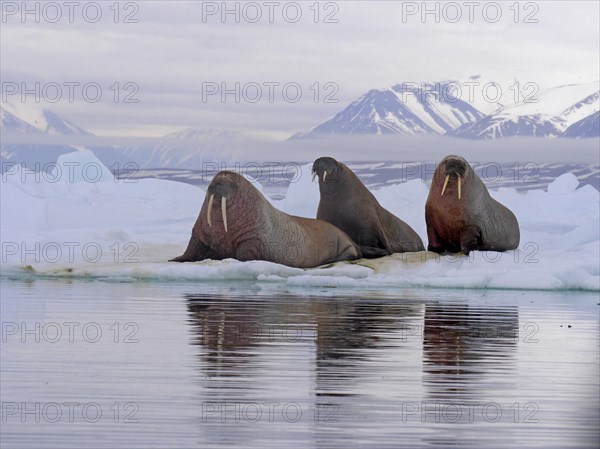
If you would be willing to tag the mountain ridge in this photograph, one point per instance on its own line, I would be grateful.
(428, 109)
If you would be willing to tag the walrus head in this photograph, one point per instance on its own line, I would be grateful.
(224, 188)
(326, 168)
(453, 170)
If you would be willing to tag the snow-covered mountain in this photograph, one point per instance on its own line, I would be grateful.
(401, 109)
(510, 125)
(492, 92)
(587, 107)
(487, 93)
(186, 149)
(547, 114)
(23, 121)
(41, 119)
(12, 123)
(570, 102)
(585, 128)
(54, 124)
(430, 109)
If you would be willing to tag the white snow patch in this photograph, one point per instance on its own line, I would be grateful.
(565, 183)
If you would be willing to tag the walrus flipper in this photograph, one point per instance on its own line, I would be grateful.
(195, 251)
(435, 243)
(470, 239)
(372, 252)
(373, 244)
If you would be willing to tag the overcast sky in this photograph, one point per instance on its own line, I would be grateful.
(173, 49)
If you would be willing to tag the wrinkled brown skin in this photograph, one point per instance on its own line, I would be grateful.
(349, 205)
(258, 231)
(476, 222)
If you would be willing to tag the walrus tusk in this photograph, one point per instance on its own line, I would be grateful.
(314, 175)
(210, 202)
(445, 184)
(324, 175)
(459, 178)
(224, 212)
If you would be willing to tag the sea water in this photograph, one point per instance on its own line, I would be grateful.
(87, 363)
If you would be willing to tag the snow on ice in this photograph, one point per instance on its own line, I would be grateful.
(78, 221)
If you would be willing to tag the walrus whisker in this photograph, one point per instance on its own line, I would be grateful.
(459, 178)
(324, 175)
(445, 184)
(224, 212)
(210, 203)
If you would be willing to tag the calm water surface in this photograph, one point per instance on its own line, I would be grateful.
(108, 365)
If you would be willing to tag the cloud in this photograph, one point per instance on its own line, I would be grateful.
(170, 52)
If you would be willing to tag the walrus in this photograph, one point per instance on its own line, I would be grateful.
(236, 221)
(462, 216)
(348, 204)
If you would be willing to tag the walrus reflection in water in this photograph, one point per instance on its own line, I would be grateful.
(236, 221)
(462, 216)
(348, 204)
